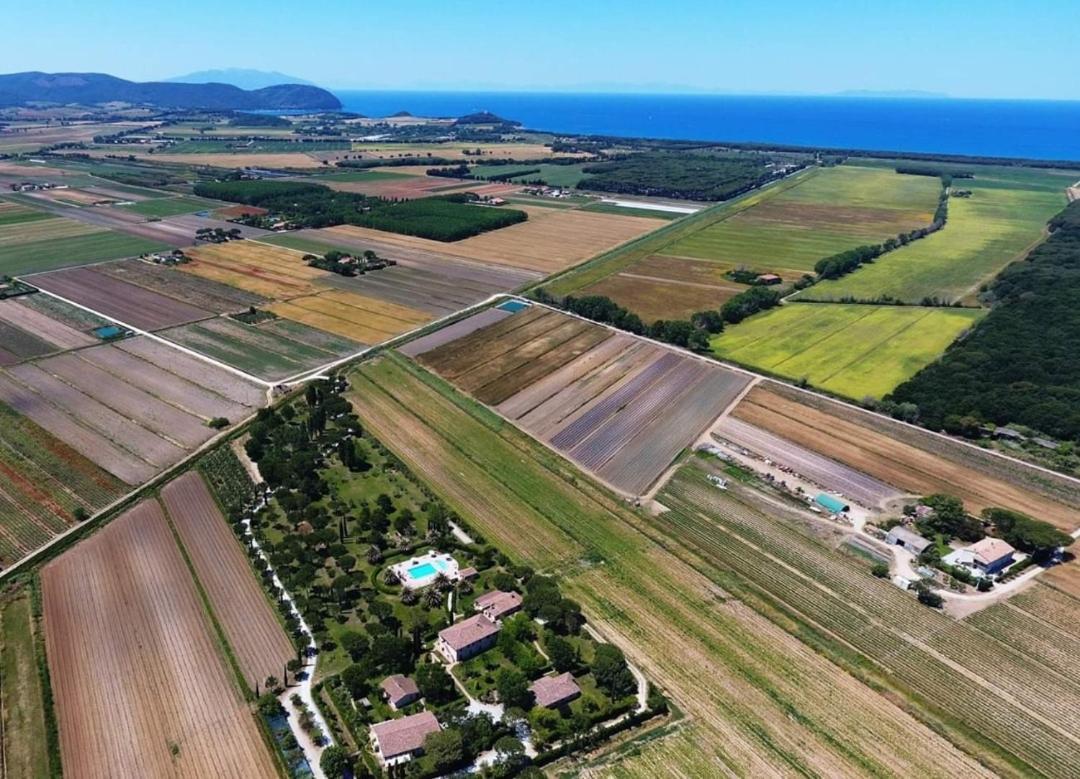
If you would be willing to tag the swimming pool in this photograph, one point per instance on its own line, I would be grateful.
(423, 570)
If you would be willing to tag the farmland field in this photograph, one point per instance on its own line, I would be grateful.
(984, 233)
(17, 213)
(853, 350)
(256, 267)
(738, 677)
(832, 210)
(127, 591)
(126, 303)
(42, 482)
(190, 288)
(60, 252)
(351, 315)
(171, 206)
(272, 350)
(250, 624)
(915, 462)
(621, 408)
(23, 740)
(552, 175)
(549, 241)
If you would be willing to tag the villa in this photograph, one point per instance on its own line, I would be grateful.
(551, 692)
(399, 691)
(467, 638)
(419, 572)
(986, 557)
(398, 741)
(497, 604)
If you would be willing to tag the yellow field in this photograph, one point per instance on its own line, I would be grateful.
(271, 271)
(552, 239)
(350, 315)
(269, 160)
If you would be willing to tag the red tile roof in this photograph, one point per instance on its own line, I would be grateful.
(398, 687)
(553, 691)
(498, 604)
(468, 632)
(401, 736)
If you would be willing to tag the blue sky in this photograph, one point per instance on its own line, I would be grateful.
(965, 49)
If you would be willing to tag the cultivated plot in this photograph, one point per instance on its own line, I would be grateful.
(551, 239)
(620, 407)
(913, 461)
(850, 349)
(252, 628)
(985, 232)
(46, 244)
(23, 741)
(351, 315)
(202, 293)
(272, 350)
(258, 268)
(126, 593)
(127, 303)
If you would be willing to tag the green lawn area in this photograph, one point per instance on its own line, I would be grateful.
(850, 349)
(170, 206)
(23, 741)
(1005, 215)
(827, 212)
(38, 256)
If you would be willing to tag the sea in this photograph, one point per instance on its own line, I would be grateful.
(1036, 129)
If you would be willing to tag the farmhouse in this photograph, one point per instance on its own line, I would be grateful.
(988, 556)
(399, 691)
(467, 638)
(398, 741)
(551, 692)
(901, 536)
(769, 279)
(497, 605)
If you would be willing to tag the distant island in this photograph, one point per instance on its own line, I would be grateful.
(908, 93)
(98, 88)
(244, 78)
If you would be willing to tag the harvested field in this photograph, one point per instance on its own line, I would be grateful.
(1065, 578)
(1051, 605)
(86, 441)
(126, 303)
(250, 624)
(453, 332)
(183, 389)
(737, 676)
(850, 349)
(148, 445)
(404, 188)
(42, 230)
(200, 292)
(122, 593)
(233, 161)
(551, 240)
(351, 315)
(214, 379)
(24, 748)
(56, 334)
(1028, 633)
(455, 151)
(622, 411)
(842, 435)
(257, 267)
(653, 297)
(272, 350)
(827, 473)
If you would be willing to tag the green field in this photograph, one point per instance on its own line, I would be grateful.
(829, 211)
(611, 208)
(360, 175)
(552, 175)
(39, 256)
(1005, 215)
(170, 206)
(852, 350)
(12, 213)
(23, 740)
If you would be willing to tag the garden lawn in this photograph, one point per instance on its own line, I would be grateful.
(1002, 220)
(850, 349)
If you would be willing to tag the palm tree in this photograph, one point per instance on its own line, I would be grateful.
(432, 598)
(441, 583)
(391, 578)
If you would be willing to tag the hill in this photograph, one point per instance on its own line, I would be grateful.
(94, 88)
(244, 78)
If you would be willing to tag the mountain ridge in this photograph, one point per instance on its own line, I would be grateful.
(96, 88)
(242, 78)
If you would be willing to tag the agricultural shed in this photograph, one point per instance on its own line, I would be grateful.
(901, 536)
(831, 503)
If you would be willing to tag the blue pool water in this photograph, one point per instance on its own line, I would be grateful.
(513, 306)
(422, 571)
